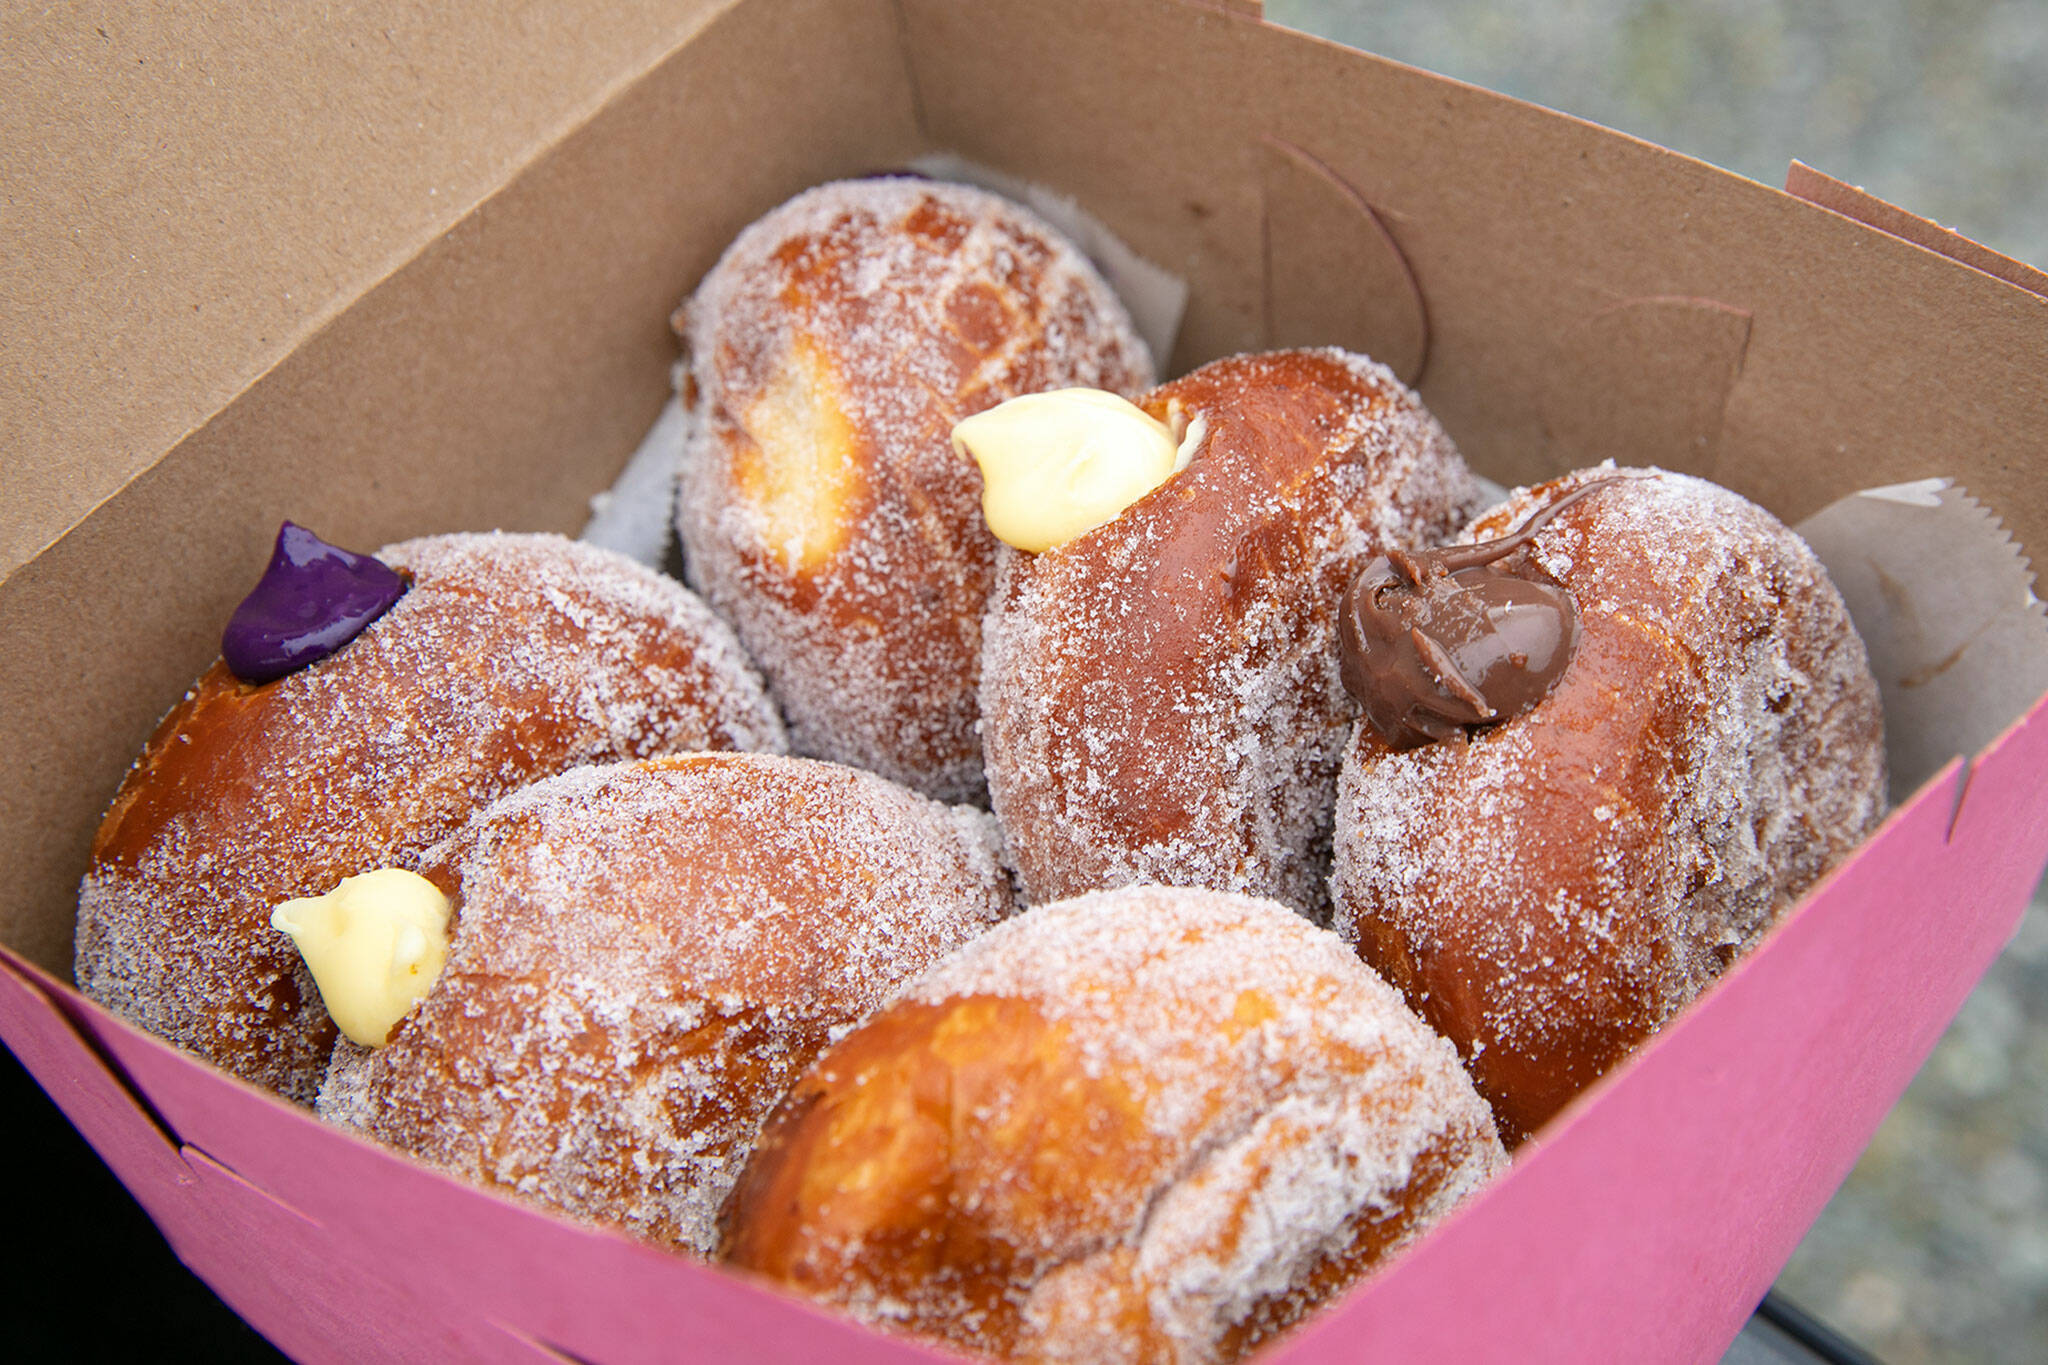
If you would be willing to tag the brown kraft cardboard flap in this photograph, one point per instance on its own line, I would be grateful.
(189, 198)
(496, 379)
(1853, 202)
(1335, 276)
(1560, 293)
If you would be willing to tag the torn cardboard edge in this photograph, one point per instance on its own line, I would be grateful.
(1853, 201)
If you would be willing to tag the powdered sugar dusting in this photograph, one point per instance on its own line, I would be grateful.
(510, 657)
(1598, 861)
(1161, 697)
(1296, 1110)
(645, 956)
(857, 578)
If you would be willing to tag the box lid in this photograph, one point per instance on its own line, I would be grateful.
(187, 196)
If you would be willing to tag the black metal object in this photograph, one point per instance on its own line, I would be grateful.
(1810, 1332)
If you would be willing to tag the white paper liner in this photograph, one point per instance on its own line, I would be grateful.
(636, 515)
(1491, 494)
(1944, 601)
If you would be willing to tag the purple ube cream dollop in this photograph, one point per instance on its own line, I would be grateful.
(313, 599)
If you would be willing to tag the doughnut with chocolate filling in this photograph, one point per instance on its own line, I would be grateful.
(1150, 1124)
(644, 957)
(508, 658)
(821, 509)
(1160, 694)
(1598, 758)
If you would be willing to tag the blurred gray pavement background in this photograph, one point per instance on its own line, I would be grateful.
(1940, 106)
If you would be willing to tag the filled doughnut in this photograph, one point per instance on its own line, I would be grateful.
(643, 958)
(500, 659)
(1160, 694)
(1146, 1124)
(1602, 749)
(829, 354)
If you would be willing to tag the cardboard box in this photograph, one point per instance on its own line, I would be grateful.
(386, 328)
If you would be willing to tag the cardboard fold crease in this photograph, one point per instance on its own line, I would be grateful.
(1334, 274)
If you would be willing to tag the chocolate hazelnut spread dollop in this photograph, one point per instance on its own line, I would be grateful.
(1434, 641)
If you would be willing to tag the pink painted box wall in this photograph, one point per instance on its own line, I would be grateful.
(1644, 1224)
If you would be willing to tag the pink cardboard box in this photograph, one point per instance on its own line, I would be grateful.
(436, 295)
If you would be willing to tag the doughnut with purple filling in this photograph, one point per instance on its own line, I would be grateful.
(508, 658)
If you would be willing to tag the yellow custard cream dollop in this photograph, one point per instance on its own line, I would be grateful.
(1057, 465)
(374, 944)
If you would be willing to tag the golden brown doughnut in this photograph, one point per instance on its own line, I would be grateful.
(1551, 889)
(644, 957)
(511, 657)
(1160, 696)
(1151, 1124)
(822, 509)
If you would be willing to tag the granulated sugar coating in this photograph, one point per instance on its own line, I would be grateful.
(1150, 1124)
(1160, 696)
(644, 957)
(510, 658)
(822, 508)
(1549, 891)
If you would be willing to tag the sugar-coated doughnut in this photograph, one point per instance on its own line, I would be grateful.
(1550, 888)
(1151, 1124)
(822, 508)
(1160, 695)
(510, 657)
(644, 957)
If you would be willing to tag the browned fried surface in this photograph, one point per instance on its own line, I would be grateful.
(1150, 1124)
(823, 509)
(510, 658)
(1161, 696)
(645, 956)
(1551, 891)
